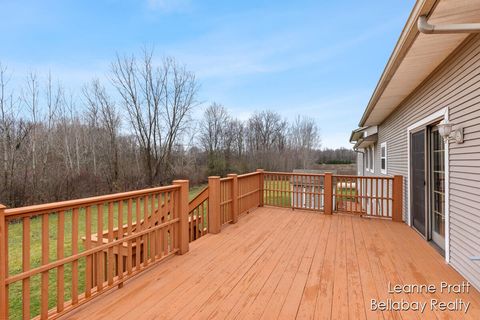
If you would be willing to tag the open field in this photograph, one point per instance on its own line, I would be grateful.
(15, 232)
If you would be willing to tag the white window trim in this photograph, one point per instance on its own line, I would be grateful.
(383, 145)
(439, 115)
(367, 159)
(372, 159)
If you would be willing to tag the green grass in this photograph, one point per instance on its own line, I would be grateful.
(346, 194)
(196, 190)
(15, 236)
(281, 197)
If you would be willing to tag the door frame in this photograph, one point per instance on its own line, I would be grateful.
(424, 130)
(439, 115)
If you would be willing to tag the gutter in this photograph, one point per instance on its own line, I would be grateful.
(427, 28)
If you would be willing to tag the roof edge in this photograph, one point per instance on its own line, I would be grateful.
(404, 42)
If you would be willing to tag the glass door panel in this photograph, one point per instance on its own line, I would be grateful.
(418, 180)
(437, 188)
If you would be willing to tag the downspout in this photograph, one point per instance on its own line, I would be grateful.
(427, 28)
(363, 164)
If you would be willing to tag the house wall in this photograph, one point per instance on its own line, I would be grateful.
(360, 164)
(456, 86)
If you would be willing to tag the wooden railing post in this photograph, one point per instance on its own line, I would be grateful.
(328, 193)
(234, 177)
(182, 206)
(397, 199)
(3, 265)
(214, 225)
(261, 186)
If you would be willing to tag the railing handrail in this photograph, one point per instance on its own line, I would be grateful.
(245, 175)
(321, 175)
(69, 204)
(356, 176)
(295, 174)
(198, 199)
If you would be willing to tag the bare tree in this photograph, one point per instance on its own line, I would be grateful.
(212, 137)
(237, 130)
(158, 101)
(304, 139)
(212, 127)
(30, 99)
(104, 120)
(13, 135)
(55, 146)
(267, 135)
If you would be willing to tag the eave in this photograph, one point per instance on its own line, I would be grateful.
(417, 55)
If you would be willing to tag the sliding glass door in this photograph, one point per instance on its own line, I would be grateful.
(437, 189)
(427, 172)
(417, 161)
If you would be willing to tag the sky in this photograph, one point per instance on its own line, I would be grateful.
(320, 59)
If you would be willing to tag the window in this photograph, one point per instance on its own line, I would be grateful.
(383, 157)
(367, 159)
(372, 158)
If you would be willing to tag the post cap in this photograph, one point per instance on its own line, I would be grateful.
(180, 181)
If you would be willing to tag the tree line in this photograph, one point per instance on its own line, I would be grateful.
(135, 130)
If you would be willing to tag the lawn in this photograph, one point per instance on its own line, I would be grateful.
(346, 194)
(278, 193)
(15, 235)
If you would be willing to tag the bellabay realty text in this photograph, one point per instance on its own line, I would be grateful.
(419, 297)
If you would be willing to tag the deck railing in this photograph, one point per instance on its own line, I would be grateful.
(72, 251)
(294, 190)
(369, 196)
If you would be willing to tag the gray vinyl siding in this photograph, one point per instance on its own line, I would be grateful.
(455, 85)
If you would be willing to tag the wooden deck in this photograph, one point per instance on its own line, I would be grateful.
(283, 264)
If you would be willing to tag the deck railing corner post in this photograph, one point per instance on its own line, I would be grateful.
(3, 265)
(182, 215)
(261, 186)
(234, 177)
(214, 224)
(397, 214)
(328, 193)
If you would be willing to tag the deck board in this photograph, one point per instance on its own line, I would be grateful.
(283, 264)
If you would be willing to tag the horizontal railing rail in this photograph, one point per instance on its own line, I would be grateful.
(73, 251)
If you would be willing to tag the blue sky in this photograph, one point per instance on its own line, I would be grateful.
(315, 58)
